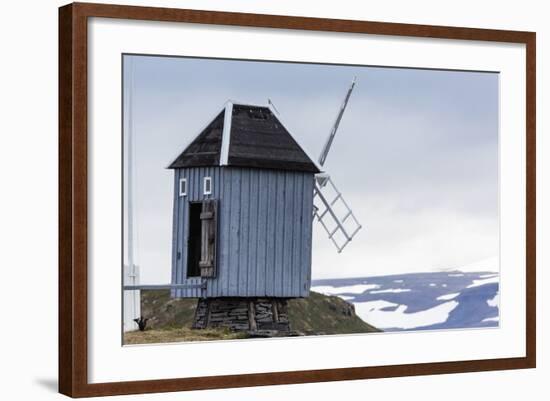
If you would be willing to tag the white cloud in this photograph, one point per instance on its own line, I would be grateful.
(395, 241)
(490, 264)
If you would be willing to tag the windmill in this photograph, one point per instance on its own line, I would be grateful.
(245, 198)
(330, 209)
(245, 195)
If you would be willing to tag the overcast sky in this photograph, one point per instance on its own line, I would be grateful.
(416, 154)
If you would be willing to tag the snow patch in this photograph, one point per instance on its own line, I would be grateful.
(397, 281)
(448, 297)
(350, 289)
(433, 284)
(395, 290)
(493, 302)
(370, 306)
(491, 319)
(478, 283)
(456, 274)
(371, 312)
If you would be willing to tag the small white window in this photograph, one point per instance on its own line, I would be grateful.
(183, 186)
(207, 185)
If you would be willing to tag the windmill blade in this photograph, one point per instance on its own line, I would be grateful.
(332, 134)
(334, 214)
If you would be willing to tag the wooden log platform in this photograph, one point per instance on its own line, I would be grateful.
(243, 314)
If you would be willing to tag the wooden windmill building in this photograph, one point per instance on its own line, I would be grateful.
(242, 225)
(243, 206)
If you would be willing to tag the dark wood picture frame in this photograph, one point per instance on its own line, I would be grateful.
(73, 104)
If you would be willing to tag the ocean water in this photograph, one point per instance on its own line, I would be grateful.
(421, 301)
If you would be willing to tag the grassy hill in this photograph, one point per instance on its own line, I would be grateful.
(322, 314)
(170, 319)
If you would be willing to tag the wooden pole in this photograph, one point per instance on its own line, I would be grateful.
(252, 316)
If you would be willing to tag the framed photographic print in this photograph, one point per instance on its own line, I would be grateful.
(255, 199)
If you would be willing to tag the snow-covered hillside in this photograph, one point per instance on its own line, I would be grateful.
(460, 298)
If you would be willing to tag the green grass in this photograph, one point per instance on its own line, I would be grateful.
(325, 314)
(170, 335)
(165, 312)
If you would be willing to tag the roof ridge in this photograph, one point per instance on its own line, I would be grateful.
(226, 133)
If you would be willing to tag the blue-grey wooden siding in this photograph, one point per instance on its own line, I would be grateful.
(264, 231)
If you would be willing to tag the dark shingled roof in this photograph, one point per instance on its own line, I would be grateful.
(205, 148)
(256, 138)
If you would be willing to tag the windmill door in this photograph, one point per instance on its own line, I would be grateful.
(209, 233)
(202, 241)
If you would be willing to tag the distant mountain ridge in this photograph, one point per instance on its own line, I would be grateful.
(490, 264)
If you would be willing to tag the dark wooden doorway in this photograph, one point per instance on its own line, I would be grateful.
(194, 240)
